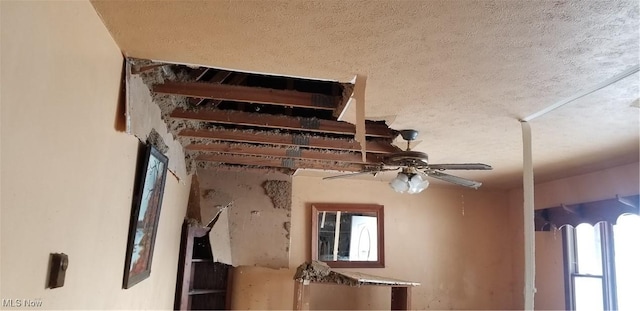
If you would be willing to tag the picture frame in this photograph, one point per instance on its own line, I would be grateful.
(145, 214)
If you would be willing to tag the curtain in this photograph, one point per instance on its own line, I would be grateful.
(589, 212)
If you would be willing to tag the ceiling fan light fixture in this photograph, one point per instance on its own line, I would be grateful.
(418, 183)
(409, 183)
(416, 169)
(400, 183)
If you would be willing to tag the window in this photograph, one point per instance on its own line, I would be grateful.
(626, 235)
(602, 265)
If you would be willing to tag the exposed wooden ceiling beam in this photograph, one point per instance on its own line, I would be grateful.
(281, 162)
(141, 69)
(218, 78)
(236, 80)
(242, 168)
(280, 122)
(344, 144)
(297, 153)
(249, 94)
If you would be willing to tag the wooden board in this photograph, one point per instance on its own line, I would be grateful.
(280, 122)
(249, 94)
(268, 151)
(345, 144)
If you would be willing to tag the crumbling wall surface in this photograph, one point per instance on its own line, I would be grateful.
(259, 220)
(279, 191)
(144, 120)
(220, 239)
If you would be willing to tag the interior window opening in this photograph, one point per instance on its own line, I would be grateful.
(626, 238)
(601, 264)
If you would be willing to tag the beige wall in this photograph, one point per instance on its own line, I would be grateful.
(258, 288)
(515, 214)
(599, 185)
(67, 173)
(471, 261)
(549, 271)
(452, 240)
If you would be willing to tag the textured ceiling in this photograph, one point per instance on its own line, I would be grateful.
(461, 72)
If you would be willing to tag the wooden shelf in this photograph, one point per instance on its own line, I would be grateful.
(206, 291)
(201, 260)
(201, 282)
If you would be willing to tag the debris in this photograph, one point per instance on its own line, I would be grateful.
(318, 271)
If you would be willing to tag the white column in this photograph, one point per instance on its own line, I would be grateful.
(528, 211)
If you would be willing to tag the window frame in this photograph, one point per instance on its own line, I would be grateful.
(570, 262)
(377, 209)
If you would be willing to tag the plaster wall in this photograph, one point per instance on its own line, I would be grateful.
(454, 241)
(257, 230)
(143, 116)
(67, 171)
(599, 185)
(259, 288)
(549, 271)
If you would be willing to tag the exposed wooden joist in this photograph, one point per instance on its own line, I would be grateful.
(248, 94)
(236, 80)
(141, 69)
(343, 144)
(281, 162)
(218, 78)
(282, 152)
(280, 122)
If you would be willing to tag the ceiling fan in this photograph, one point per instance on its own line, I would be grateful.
(415, 168)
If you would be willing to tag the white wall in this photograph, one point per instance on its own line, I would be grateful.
(67, 173)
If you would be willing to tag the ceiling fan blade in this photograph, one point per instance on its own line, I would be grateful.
(358, 173)
(460, 166)
(454, 179)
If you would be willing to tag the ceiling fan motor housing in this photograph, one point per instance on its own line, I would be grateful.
(409, 135)
(408, 158)
(415, 169)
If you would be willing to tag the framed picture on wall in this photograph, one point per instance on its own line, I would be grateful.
(147, 202)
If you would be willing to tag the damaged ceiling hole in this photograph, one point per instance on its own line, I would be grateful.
(230, 119)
